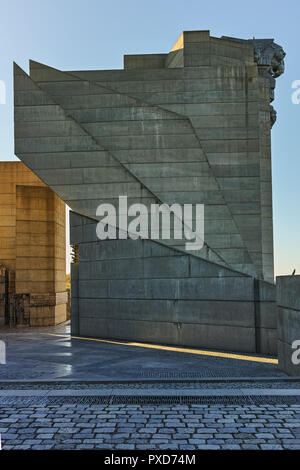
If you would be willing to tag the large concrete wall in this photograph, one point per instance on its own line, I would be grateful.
(288, 301)
(144, 291)
(32, 247)
(191, 126)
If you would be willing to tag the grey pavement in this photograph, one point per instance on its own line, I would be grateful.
(35, 354)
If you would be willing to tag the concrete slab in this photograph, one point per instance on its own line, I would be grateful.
(37, 355)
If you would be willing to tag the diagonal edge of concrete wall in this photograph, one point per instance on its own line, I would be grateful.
(144, 291)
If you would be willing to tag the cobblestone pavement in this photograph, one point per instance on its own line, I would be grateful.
(180, 427)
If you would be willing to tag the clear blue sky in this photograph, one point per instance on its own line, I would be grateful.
(94, 34)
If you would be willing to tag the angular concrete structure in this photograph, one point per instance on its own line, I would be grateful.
(189, 126)
(32, 250)
(288, 301)
(142, 290)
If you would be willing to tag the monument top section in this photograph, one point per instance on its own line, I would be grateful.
(198, 48)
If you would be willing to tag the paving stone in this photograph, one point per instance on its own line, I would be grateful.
(250, 446)
(84, 446)
(124, 446)
(7, 436)
(156, 433)
(42, 447)
(208, 447)
(230, 446)
(271, 447)
(197, 441)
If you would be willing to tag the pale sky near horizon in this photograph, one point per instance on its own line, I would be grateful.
(95, 34)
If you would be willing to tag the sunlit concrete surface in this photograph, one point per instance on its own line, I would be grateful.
(51, 354)
(240, 357)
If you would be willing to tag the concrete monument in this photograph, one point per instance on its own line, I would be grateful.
(191, 126)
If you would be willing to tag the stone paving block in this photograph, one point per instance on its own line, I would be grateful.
(45, 436)
(42, 447)
(109, 430)
(124, 446)
(32, 442)
(271, 447)
(22, 447)
(84, 446)
(199, 441)
(67, 431)
(8, 436)
(249, 446)
(158, 441)
(230, 447)
(264, 436)
(208, 447)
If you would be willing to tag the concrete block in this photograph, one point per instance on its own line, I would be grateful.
(288, 291)
(285, 353)
(216, 288)
(288, 301)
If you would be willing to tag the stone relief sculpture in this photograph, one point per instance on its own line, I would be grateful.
(269, 56)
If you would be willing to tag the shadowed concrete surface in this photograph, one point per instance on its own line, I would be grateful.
(288, 301)
(140, 290)
(37, 354)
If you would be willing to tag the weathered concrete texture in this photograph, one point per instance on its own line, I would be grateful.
(191, 126)
(288, 301)
(32, 249)
(39, 354)
(142, 290)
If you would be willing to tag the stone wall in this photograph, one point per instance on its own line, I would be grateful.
(288, 301)
(32, 248)
(141, 290)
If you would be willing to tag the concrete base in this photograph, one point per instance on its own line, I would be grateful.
(140, 290)
(288, 300)
(48, 310)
